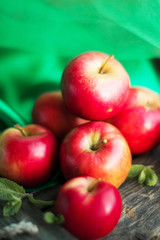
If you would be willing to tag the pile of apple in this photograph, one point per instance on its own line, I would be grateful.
(92, 127)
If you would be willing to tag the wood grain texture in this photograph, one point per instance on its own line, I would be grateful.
(140, 219)
(31, 213)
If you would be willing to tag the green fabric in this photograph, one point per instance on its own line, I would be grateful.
(39, 37)
(24, 76)
(127, 29)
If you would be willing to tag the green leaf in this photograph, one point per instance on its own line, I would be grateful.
(12, 185)
(145, 174)
(49, 217)
(151, 177)
(60, 219)
(135, 170)
(40, 202)
(12, 207)
(141, 177)
(10, 189)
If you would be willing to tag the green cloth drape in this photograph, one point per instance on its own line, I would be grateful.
(39, 37)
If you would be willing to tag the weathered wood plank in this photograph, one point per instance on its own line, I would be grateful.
(141, 205)
(140, 218)
(31, 213)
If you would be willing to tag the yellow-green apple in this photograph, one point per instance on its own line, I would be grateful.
(94, 86)
(50, 111)
(96, 149)
(139, 120)
(91, 207)
(27, 154)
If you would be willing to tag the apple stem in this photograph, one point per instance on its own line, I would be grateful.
(98, 145)
(151, 166)
(93, 185)
(21, 129)
(102, 69)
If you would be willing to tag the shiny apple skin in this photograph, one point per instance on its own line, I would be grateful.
(139, 120)
(89, 215)
(28, 160)
(111, 162)
(50, 111)
(90, 94)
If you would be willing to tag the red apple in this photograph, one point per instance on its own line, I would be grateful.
(96, 149)
(94, 86)
(91, 207)
(50, 111)
(27, 154)
(139, 120)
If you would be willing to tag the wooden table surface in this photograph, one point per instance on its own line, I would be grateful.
(140, 219)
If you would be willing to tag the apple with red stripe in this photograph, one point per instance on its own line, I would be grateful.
(96, 149)
(139, 120)
(27, 154)
(50, 111)
(95, 86)
(91, 207)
